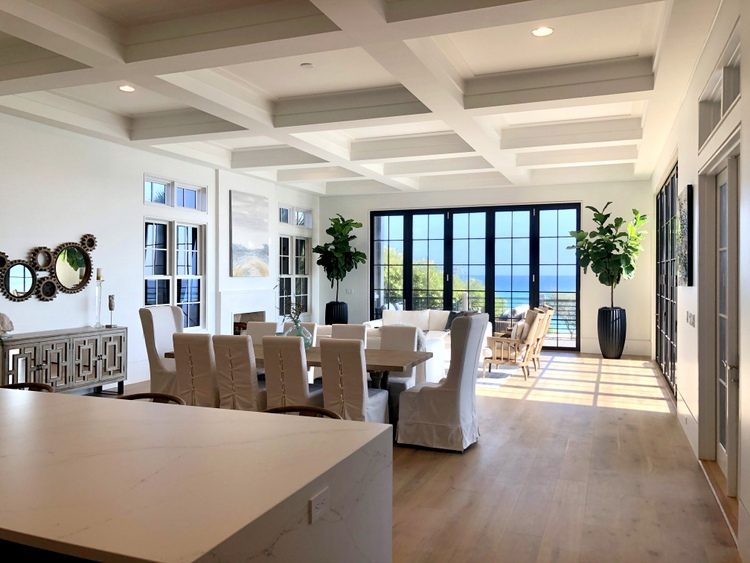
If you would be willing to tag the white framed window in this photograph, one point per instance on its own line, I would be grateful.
(173, 268)
(296, 216)
(285, 215)
(160, 191)
(294, 273)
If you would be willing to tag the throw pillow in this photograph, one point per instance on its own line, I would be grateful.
(451, 316)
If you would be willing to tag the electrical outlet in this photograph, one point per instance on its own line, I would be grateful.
(348, 291)
(319, 505)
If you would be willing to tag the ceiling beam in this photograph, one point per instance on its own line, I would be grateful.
(632, 76)
(437, 166)
(357, 187)
(464, 181)
(45, 107)
(420, 18)
(587, 174)
(578, 157)
(392, 101)
(317, 174)
(272, 157)
(180, 126)
(408, 147)
(581, 133)
(64, 27)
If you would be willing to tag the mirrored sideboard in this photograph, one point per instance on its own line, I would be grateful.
(69, 359)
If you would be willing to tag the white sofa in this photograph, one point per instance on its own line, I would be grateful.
(432, 322)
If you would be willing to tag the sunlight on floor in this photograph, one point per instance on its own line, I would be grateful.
(584, 380)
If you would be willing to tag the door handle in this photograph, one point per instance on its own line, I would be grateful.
(729, 367)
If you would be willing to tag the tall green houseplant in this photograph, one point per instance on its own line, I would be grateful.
(611, 250)
(337, 258)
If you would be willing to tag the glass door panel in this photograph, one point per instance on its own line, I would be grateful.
(388, 264)
(428, 261)
(558, 274)
(512, 267)
(469, 261)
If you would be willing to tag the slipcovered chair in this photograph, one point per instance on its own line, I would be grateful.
(196, 370)
(159, 324)
(236, 376)
(312, 328)
(444, 415)
(350, 331)
(395, 337)
(257, 330)
(286, 373)
(345, 388)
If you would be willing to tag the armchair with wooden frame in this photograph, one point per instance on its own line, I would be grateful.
(517, 350)
(542, 334)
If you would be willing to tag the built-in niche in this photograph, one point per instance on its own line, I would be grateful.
(722, 90)
(46, 273)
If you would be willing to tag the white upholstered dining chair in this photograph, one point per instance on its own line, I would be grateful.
(196, 370)
(398, 337)
(350, 331)
(286, 373)
(159, 324)
(236, 376)
(345, 388)
(444, 415)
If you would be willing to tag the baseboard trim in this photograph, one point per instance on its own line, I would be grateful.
(729, 506)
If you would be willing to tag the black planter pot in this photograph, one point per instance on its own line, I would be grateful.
(337, 312)
(612, 325)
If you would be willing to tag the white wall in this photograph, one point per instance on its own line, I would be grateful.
(634, 295)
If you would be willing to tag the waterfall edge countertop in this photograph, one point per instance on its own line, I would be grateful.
(129, 480)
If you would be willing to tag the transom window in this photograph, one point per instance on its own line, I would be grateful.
(172, 194)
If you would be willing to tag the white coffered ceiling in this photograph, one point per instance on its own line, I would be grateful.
(363, 96)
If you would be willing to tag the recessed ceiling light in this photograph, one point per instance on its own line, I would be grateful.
(127, 88)
(306, 65)
(542, 31)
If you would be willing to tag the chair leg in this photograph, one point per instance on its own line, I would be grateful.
(525, 370)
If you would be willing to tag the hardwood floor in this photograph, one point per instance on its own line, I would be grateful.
(585, 462)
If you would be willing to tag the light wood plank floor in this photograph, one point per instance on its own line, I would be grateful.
(583, 462)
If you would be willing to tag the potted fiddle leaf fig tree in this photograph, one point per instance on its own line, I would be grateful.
(337, 258)
(611, 251)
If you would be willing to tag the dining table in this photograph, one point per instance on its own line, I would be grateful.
(379, 363)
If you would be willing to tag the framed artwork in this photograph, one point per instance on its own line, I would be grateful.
(684, 237)
(248, 235)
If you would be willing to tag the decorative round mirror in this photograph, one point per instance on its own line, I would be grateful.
(72, 267)
(46, 289)
(41, 257)
(19, 280)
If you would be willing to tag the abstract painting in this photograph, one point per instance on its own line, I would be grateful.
(249, 236)
(684, 237)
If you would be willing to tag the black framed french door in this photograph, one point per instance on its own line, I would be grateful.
(499, 260)
(666, 279)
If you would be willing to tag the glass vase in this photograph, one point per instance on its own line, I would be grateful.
(298, 330)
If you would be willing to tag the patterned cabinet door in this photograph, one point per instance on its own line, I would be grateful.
(22, 363)
(86, 359)
(54, 363)
(113, 353)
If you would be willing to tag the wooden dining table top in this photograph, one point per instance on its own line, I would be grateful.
(375, 359)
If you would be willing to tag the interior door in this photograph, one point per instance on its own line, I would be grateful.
(727, 353)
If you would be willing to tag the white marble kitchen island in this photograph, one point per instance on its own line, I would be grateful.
(126, 480)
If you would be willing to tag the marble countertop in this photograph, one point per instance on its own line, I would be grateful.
(98, 477)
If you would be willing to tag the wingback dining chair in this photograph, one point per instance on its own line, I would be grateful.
(396, 337)
(286, 373)
(443, 415)
(159, 324)
(312, 328)
(236, 376)
(196, 370)
(345, 390)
